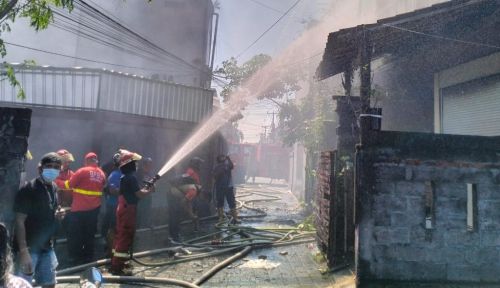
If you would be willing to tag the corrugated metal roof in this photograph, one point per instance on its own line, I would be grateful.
(459, 20)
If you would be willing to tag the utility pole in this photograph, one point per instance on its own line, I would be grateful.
(272, 135)
(264, 138)
(273, 126)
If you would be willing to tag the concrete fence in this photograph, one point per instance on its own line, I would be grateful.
(428, 207)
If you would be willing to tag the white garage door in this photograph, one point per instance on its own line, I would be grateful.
(472, 108)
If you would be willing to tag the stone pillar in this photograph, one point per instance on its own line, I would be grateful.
(14, 131)
(347, 129)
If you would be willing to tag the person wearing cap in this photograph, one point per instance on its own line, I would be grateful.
(130, 194)
(65, 195)
(111, 198)
(37, 213)
(87, 184)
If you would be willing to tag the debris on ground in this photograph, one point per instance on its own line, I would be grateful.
(260, 264)
(284, 253)
(263, 257)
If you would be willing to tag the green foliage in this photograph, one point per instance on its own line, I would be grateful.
(11, 77)
(285, 82)
(307, 224)
(40, 16)
(304, 122)
(9, 74)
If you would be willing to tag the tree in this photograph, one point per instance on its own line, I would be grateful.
(304, 121)
(40, 16)
(286, 81)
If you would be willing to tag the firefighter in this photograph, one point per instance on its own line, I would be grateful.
(64, 195)
(112, 191)
(130, 193)
(180, 198)
(87, 184)
(224, 189)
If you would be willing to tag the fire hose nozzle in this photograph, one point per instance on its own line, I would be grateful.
(150, 183)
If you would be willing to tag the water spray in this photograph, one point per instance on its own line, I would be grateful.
(306, 48)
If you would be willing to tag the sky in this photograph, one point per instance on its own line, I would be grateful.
(241, 23)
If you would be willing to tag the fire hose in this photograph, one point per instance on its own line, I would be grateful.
(254, 238)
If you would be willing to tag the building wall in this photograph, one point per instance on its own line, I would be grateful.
(181, 27)
(412, 212)
(476, 69)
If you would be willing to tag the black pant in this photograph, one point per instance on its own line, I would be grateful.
(109, 220)
(227, 193)
(82, 230)
(174, 219)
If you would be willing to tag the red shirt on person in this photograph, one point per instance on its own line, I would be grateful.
(192, 190)
(87, 184)
(64, 195)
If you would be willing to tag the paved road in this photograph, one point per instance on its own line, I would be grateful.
(288, 266)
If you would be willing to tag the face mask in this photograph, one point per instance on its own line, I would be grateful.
(50, 174)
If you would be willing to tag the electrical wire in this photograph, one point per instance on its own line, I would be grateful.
(135, 34)
(269, 29)
(76, 57)
(267, 6)
(442, 37)
(92, 28)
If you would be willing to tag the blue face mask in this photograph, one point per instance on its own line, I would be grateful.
(50, 174)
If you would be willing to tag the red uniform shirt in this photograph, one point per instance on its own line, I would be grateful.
(193, 175)
(87, 184)
(191, 190)
(64, 195)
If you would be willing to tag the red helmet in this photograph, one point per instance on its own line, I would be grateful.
(127, 157)
(65, 155)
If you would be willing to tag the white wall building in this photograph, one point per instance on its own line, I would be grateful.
(179, 31)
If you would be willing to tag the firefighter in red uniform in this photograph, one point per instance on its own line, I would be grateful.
(87, 184)
(64, 195)
(130, 193)
(180, 198)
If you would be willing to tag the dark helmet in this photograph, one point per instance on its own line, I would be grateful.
(196, 162)
(116, 158)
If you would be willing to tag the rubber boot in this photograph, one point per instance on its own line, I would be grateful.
(220, 213)
(234, 214)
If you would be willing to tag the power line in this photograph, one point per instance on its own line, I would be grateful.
(95, 30)
(76, 57)
(91, 18)
(147, 41)
(442, 37)
(268, 29)
(116, 25)
(267, 6)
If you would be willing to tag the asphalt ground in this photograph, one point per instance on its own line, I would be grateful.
(297, 265)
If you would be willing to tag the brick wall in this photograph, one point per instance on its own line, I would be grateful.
(412, 201)
(324, 203)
